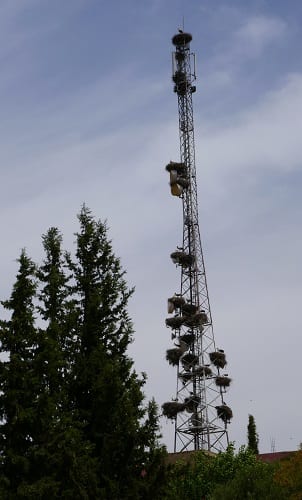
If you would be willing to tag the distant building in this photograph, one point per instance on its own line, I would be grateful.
(276, 456)
(188, 456)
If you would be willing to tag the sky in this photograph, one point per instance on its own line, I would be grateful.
(88, 114)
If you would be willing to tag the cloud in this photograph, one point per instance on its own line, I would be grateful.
(265, 137)
(238, 68)
(217, 80)
(257, 33)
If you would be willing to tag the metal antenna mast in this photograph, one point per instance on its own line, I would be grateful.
(199, 411)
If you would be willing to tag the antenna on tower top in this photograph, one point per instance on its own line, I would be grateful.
(199, 410)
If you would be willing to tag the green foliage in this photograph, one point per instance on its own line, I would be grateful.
(226, 476)
(252, 436)
(255, 481)
(154, 471)
(105, 390)
(73, 421)
(18, 385)
(289, 476)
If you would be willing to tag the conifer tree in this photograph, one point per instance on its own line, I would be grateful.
(44, 453)
(154, 472)
(61, 459)
(252, 435)
(18, 390)
(71, 404)
(107, 391)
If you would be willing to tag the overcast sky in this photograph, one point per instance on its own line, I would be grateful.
(88, 114)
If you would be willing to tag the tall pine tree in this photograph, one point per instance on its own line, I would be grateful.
(18, 383)
(44, 451)
(107, 392)
(61, 459)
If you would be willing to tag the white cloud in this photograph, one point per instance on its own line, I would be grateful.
(257, 33)
(217, 79)
(264, 137)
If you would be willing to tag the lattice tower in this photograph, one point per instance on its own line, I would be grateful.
(200, 413)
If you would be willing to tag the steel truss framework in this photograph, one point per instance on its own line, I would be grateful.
(200, 413)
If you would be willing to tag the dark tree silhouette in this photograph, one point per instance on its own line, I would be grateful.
(73, 421)
(252, 436)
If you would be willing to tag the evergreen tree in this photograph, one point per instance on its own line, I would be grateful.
(61, 458)
(252, 435)
(154, 471)
(18, 387)
(44, 454)
(106, 390)
(71, 405)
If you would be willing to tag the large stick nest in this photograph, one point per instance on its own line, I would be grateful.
(189, 309)
(224, 412)
(203, 371)
(182, 258)
(182, 345)
(218, 359)
(223, 381)
(173, 355)
(175, 322)
(172, 408)
(188, 338)
(177, 300)
(196, 320)
(178, 167)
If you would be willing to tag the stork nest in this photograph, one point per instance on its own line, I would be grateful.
(173, 355)
(223, 381)
(175, 322)
(224, 412)
(182, 258)
(188, 338)
(196, 320)
(203, 371)
(172, 408)
(177, 301)
(178, 167)
(218, 359)
(189, 309)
